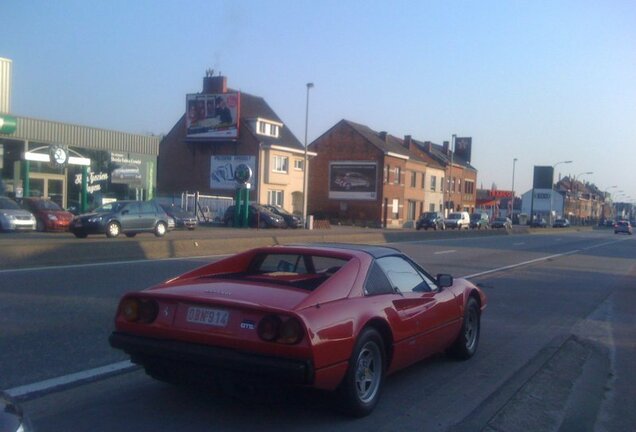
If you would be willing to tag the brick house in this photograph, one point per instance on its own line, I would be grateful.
(460, 193)
(370, 177)
(263, 142)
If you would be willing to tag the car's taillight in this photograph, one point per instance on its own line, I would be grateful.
(291, 332)
(268, 328)
(139, 310)
(274, 329)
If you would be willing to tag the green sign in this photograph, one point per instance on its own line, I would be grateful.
(8, 124)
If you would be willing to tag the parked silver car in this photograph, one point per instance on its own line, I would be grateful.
(15, 218)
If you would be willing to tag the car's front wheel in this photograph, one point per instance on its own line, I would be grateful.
(361, 387)
(466, 343)
(112, 229)
(160, 229)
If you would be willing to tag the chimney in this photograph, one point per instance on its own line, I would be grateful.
(446, 149)
(428, 146)
(214, 84)
(383, 136)
(407, 141)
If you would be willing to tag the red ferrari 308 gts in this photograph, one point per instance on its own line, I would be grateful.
(333, 317)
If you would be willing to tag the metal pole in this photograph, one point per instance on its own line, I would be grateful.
(305, 165)
(512, 205)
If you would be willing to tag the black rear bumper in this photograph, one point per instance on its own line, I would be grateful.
(146, 351)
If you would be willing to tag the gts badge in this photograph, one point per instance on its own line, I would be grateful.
(248, 325)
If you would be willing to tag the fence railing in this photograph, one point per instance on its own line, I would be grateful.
(207, 208)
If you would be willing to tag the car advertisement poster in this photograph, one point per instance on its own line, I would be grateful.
(353, 180)
(127, 169)
(222, 170)
(212, 116)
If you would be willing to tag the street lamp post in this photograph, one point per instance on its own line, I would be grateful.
(578, 204)
(305, 165)
(512, 205)
(550, 221)
(605, 199)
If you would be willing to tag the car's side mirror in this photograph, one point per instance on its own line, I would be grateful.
(444, 280)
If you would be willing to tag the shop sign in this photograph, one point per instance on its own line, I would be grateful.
(8, 124)
(92, 180)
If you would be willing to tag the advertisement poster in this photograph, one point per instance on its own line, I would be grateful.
(222, 170)
(212, 116)
(353, 180)
(127, 169)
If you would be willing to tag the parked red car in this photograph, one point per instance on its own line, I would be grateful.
(332, 317)
(48, 214)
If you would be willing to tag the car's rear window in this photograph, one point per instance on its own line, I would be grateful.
(302, 271)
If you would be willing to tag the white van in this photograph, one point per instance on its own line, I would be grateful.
(457, 220)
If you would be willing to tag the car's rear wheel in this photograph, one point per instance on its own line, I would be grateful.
(466, 343)
(113, 229)
(360, 390)
(160, 229)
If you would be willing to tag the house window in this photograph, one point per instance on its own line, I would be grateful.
(413, 179)
(387, 171)
(262, 128)
(273, 130)
(298, 164)
(431, 207)
(423, 180)
(398, 173)
(266, 128)
(411, 210)
(275, 197)
(469, 187)
(434, 183)
(281, 164)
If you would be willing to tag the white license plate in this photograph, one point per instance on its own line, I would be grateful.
(207, 316)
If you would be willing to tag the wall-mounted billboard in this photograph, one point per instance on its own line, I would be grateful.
(212, 116)
(543, 177)
(222, 170)
(353, 180)
(127, 169)
(463, 147)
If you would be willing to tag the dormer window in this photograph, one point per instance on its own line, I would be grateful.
(268, 127)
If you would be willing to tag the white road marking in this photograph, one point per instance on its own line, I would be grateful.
(50, 385)
(102, 264)
(445, 252)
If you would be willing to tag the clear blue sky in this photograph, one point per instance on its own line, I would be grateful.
(541, 81)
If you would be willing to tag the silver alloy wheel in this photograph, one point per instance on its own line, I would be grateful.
(160, 230)
(113, 229)
(368, 372)
(471, 330)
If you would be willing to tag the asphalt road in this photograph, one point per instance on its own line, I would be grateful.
(556, 350)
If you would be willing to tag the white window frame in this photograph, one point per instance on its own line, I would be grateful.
(276, 197)
(298, 164)
(281, 164)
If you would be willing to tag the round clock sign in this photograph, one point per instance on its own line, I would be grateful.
(242, 173)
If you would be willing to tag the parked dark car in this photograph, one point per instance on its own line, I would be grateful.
(128, 217)
(561, 223)
(291, 220)
(182, 218)
(623, 227)
(479, 221)
(539, 223)
(430, 220)
(501, 222)
(258, 216)
(48, 214)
